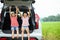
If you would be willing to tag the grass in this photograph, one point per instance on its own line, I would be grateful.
(51, 30)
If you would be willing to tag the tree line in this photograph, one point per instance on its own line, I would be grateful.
(52, 18)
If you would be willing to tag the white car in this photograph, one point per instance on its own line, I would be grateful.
(5, 31)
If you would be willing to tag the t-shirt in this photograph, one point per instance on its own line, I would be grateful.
(14, 22)
(25, 21)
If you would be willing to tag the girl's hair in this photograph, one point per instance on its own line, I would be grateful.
(12, 13)
(25, 12)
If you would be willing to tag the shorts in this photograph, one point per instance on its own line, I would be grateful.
(14, 28)
(24, 27)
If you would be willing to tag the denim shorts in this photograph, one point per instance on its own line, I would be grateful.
(14, 28)
(24, 27)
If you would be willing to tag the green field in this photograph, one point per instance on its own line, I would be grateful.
(51, 30)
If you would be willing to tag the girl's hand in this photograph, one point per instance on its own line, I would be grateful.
(17, 8)
(28, 12)
(29, 8)
(21, 13)
(10, 11)
(16, 11)
(10, 7)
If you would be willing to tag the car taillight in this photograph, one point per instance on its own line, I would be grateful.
(37, 18)
(36, 25)
(3, 38)
(32, 38)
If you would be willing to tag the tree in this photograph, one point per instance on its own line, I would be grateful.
(52, 18)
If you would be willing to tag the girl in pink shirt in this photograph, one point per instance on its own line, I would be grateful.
(14, 22)
(25, 23)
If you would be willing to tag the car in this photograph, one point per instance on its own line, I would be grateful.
(5, 31)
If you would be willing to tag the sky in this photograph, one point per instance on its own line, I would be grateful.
(45, 8)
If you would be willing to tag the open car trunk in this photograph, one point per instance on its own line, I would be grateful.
(6, 22)
(18, 2)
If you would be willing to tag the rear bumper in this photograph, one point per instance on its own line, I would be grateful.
(36, 35)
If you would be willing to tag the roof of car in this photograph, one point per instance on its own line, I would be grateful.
(18, 2)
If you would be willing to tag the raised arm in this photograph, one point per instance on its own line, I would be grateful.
(21, 14)
(10, 11)
(17, 10)
(29, 12)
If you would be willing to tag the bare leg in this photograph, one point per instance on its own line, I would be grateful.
(27, 29)
(22, 33)
(12, 34)
(17, 34)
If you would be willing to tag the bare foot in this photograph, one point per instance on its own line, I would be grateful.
(12, 37)
(17, 36)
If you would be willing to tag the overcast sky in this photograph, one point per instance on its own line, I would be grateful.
(46, 7)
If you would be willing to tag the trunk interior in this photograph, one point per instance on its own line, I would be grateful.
(6, 27)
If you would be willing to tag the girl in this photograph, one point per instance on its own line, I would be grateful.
(25, 23)
(14, 22)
